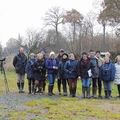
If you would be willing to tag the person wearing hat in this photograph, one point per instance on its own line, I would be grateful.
(62, 73)
(39, 72)
(52, 71)
(30, 74)
(59, 58)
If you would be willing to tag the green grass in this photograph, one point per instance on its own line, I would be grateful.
(63, 108)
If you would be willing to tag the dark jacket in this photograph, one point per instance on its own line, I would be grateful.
(84, 66)
(50, 64)
(107, 72)
(94, 67)
(39, 70)
(19, 63)
(29, 69)
(71, 69)
(61, 69)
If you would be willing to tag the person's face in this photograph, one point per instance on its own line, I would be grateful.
(72, 57)
(118, 59)
(64, 57)
(84, 57)
(61, 53)
(40, 56)
(107, 59)
(92, 54)
(52, 56)
(98, 55)
(21, 50)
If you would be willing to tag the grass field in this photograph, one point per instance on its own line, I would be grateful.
(59, 107)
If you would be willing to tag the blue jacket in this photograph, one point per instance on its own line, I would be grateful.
(50, 64)
(71, 69)
(61, 69)
(94, 67)
(29, 68)
(19, 63)
(107, 72)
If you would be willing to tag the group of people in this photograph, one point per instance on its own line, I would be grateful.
(91, 69)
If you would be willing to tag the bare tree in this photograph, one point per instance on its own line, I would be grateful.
(54, 18)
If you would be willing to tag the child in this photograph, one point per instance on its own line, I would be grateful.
(117, 74)
(29, 72)
(84, 67)
(39, 72)
(62, 73)
(71, 71)
(52, 70)
(107, 74)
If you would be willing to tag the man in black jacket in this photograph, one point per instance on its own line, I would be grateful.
(19, 62)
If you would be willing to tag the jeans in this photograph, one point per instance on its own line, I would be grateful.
(86, 82)
(51, 79)
(107, 85)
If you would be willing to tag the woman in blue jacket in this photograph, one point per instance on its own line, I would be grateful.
(62, 73)
(30, 74)
(52, 70)
(71, 71)
(107, 74)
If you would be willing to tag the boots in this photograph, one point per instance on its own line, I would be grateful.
(118, 91)
(50, 90)
(18, 85)
(109, 94)
(83, 91)
(88, 92)
(106, 94)
(95, 92)
(74, 92)
(29, 88)
(22, 87)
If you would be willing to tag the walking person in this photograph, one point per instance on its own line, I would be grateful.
(39, 70)
(30, 73)
(71, 71)
(117, 74)
(59, 81)
(84, 69)
(95, 73)
(52, 71)
(19, 62)
(107, 74)
(61, 73)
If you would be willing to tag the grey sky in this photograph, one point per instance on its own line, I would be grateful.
(16, 16)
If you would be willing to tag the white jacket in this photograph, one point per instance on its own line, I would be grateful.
(117, 74)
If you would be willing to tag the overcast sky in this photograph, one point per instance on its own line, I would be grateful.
(16, 16)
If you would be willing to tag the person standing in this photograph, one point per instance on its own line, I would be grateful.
(62, 73)
(39, 71)
(100, 62)
(30, 73)
(107, 74)
(19, 62)
(117, 74)
(52, 71)
(95, 73)
(84, 69)
(71, 71)
(59, 81)
(43, 51)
